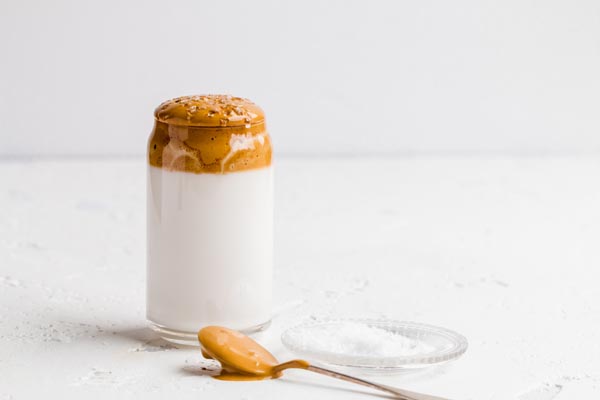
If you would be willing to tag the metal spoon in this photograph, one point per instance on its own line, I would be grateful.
(243, 358)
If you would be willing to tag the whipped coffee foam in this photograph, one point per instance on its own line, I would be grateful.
(209, 134)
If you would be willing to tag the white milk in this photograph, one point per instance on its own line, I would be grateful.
(210, 249)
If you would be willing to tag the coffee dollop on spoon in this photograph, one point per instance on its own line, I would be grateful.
(241, 357)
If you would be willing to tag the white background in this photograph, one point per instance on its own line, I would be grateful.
(335, 77)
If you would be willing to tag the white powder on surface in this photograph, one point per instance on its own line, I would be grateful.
(356, 339)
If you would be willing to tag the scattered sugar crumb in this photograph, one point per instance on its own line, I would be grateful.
(545, 391)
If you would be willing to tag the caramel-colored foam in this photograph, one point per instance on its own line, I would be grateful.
(209, 134)
(241, 357)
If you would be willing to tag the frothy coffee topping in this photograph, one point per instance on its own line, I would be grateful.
(209, 134)
(241, 357)
(210, 111)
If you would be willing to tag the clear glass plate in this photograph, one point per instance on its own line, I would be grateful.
(374, 345)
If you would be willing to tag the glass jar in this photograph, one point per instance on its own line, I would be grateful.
(209, 217)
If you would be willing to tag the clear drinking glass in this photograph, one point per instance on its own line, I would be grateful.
(209, 217)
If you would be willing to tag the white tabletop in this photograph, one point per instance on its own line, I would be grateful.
(504, 251)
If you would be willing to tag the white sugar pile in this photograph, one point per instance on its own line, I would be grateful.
(356, 339)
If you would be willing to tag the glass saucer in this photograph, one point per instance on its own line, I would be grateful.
(374, 345)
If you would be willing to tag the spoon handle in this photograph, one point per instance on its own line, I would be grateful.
(399, 393)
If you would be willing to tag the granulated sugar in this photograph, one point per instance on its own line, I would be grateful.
(356, 339)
